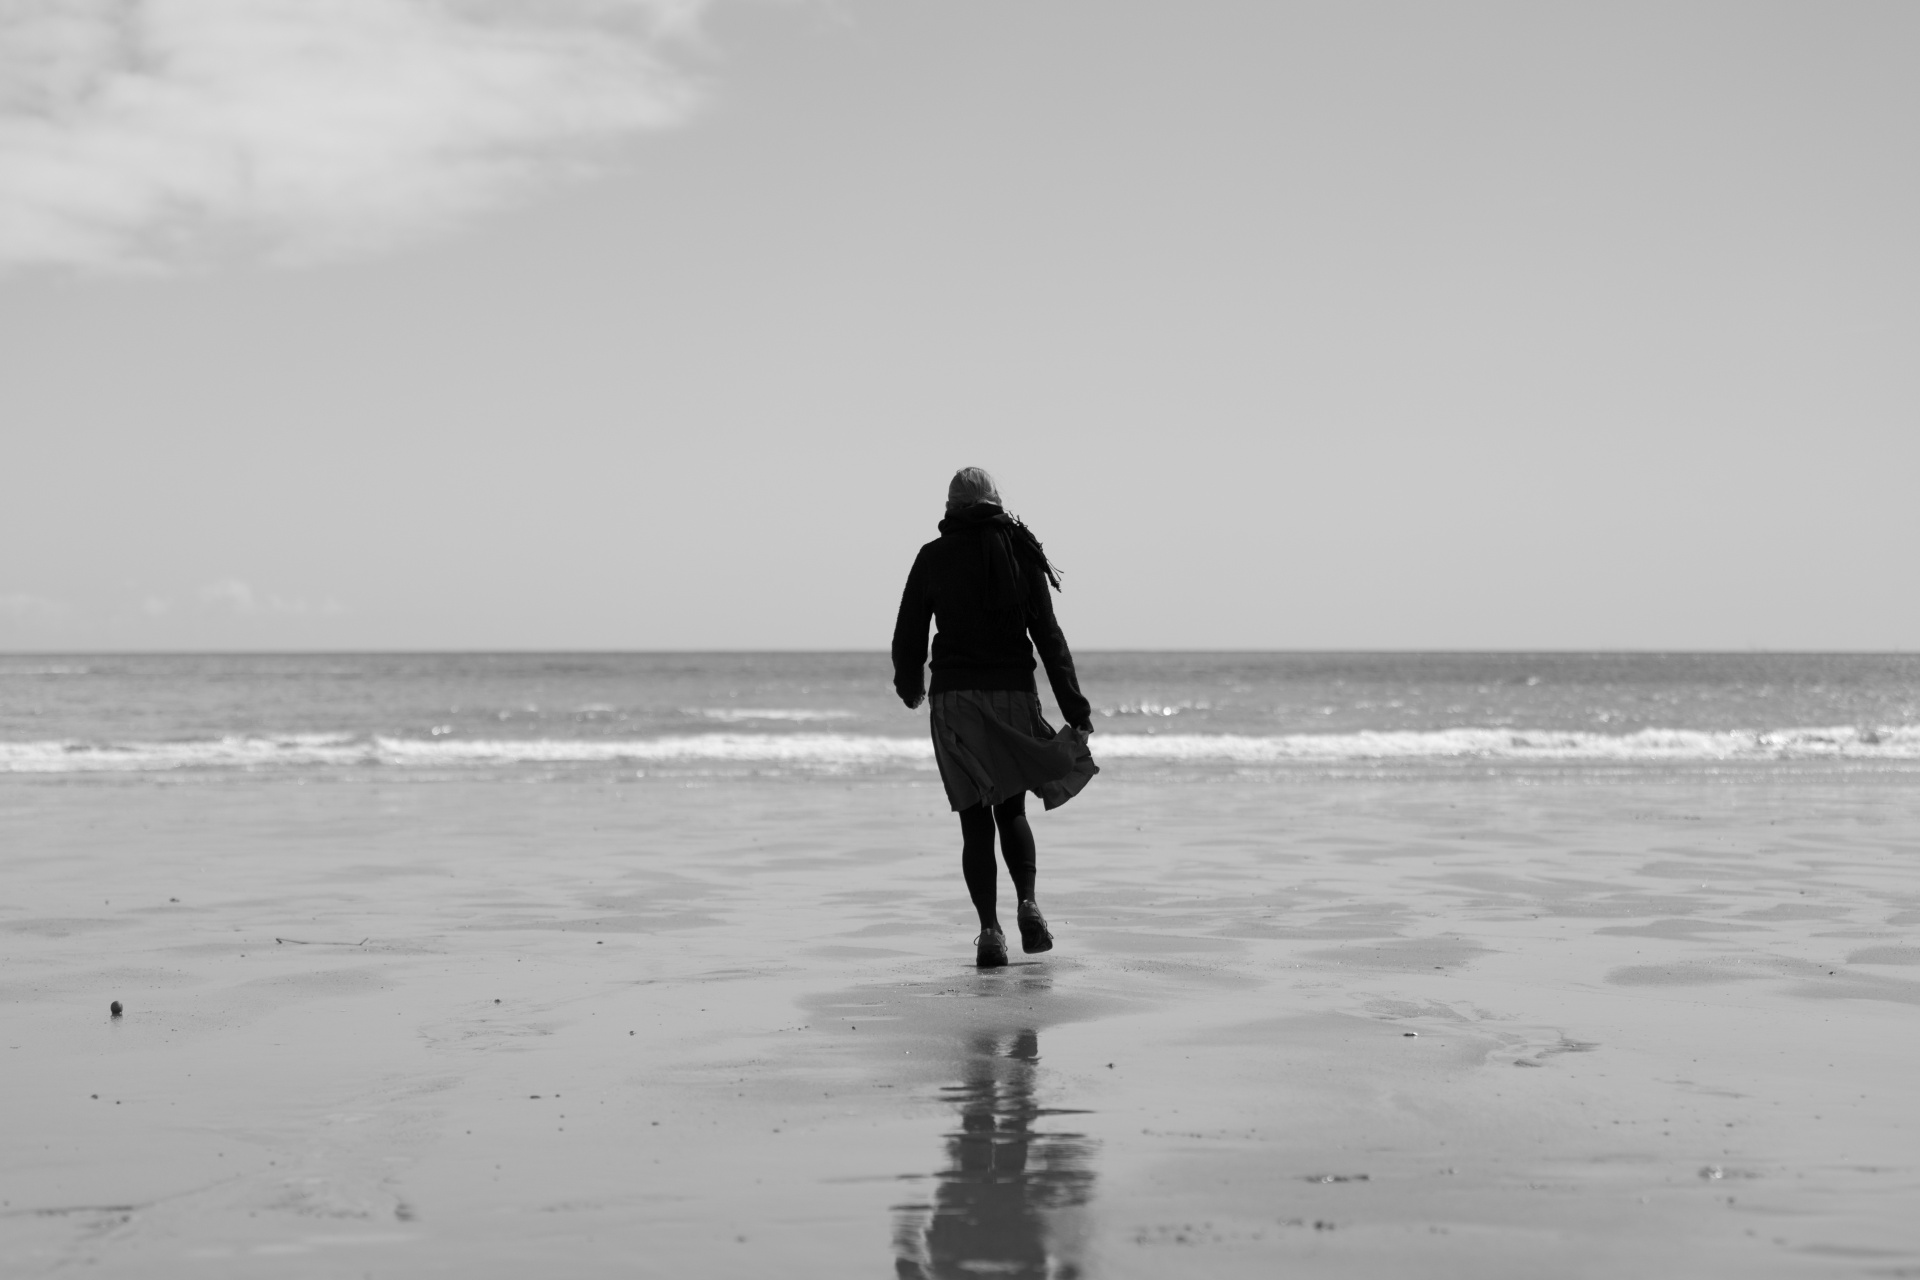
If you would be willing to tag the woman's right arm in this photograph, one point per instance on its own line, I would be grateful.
(910, 635)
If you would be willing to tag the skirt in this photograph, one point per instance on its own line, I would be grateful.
(993, 744)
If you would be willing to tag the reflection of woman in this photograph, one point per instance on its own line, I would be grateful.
(998, 1205)
(984, 582)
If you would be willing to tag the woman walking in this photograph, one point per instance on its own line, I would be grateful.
(984, 583)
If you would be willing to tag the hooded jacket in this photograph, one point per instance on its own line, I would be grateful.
(987, 593)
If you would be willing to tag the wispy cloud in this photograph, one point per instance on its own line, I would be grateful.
(139, 133)
(18, 606)
(231, 595)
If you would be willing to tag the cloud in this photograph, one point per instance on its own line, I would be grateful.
(234, 596)
(145, 133)
(18, 606)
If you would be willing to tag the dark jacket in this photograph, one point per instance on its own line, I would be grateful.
(987, 597)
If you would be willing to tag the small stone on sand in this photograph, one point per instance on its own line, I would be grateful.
(115, 1009)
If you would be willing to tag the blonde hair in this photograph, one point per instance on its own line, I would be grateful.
(969, 486)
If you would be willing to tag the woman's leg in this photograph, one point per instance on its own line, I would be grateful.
(976, 862)
(1016, 844)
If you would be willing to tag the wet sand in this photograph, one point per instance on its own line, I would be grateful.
(1460, 1026)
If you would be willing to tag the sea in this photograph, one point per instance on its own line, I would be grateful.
(805, 715)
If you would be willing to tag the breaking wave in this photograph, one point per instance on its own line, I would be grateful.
(734, 715)
(843, 751)
(1896, 743)
(294, 750)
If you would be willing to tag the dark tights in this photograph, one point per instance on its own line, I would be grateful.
(976, 853)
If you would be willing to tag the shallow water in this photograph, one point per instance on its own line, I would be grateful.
(390, 1023)
(735, 713)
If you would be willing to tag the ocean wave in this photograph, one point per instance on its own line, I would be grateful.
(734, 715)
(819, 750)
(1899, 742)
(841, 751)
(1155, 708)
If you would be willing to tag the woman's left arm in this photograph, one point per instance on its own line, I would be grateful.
(1051, 643)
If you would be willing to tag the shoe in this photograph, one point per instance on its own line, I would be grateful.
(1033, 929)
(990, 950)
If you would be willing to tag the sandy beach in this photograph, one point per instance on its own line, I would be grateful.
(1512, 1025)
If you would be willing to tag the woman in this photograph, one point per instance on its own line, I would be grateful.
(984, 582)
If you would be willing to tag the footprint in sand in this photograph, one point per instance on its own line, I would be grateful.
(1566, 1044)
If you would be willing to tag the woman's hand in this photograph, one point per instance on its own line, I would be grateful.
(913, 704)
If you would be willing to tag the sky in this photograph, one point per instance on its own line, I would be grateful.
(660, 324)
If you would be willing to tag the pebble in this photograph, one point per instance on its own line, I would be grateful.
(115, 1009)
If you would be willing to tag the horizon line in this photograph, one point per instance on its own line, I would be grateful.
(1569, 651)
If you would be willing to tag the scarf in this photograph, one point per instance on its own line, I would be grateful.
(1007, 547)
